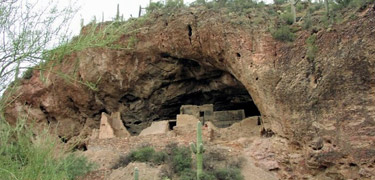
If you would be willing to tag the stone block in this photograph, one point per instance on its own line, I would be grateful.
(203, 112)
(186, 120)
(227, 118)
(118, 126)
(106, 130)
(158, 127)
(112, 126)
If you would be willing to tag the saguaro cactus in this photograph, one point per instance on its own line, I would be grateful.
(293, 10)
(326, 3)
(136, 173)
(198, 150)
(118, 13)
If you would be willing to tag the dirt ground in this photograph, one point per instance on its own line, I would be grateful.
(238, 140)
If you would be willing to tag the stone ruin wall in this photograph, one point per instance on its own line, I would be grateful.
(218, 118)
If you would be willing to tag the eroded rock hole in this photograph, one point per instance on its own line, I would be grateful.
(63, 139)
(80, 147)
(352, 164)
(159, 94)
(190, 33)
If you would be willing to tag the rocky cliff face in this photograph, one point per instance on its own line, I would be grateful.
(324, 108)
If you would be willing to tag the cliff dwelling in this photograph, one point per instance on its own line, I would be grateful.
(174, 82)
(206, 113)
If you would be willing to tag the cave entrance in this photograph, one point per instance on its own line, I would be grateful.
(195, 84)
(171, 82)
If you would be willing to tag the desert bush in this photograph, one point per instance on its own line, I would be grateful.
(228, 174)
(317, 6)
(283, 34)
(154, 6)
(75, 166)
(188, 174)
(212, 160)
(341, 4)
(178, 161)
(287, 18)
(311, 47)
(237, 163)
(171, 4)
(360, 3)
(143, 154)
(300, 7)
(207, 176)
(240, 5)
(181, 159)
(159, 157)
(278, 2)
(25, 156)
(307, 23)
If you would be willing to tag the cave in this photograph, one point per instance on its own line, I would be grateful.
(177, 82)
(229, 98)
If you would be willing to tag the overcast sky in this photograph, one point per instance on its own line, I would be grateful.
(91, 8)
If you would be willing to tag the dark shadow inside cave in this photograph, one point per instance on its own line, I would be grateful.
(230, 98)
(178, 82)
(224, 96)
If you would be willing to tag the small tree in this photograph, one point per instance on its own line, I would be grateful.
(26, 31)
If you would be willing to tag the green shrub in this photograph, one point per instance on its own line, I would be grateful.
(181, 159)
(75, 165)
(212, 159)
(307, 23)
(237, 162)
(171, 4)
(300, 7)
(343, 3)
(287, 18)
(159, 157)
(228, 174)
(283, 34)
(132, 42)
(144, 154)
(188, 174)
(278, 2)
(207, 176)
(25, 156)
(240, 5)
(311, 47)
(360, 3)
(317, 6)
(154, 6)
